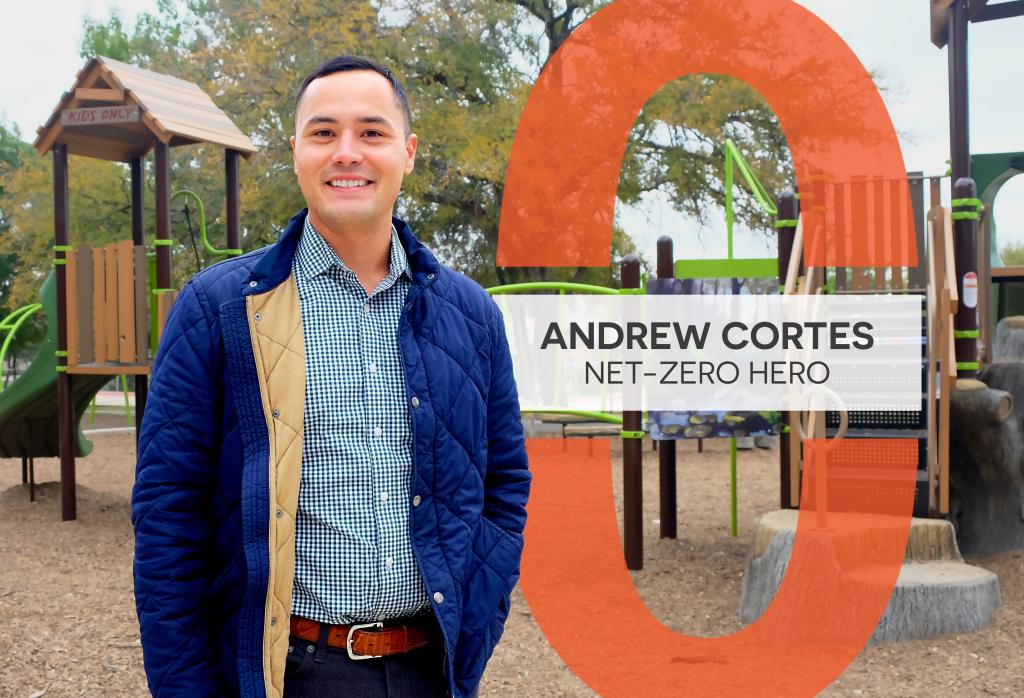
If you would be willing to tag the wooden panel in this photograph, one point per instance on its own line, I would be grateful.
(111, 370)
(126, 302)
(879, 236)
(110, 316)
(918, 276)
(84, 311)
(99, 94)
(948, 379)
(934, 328)
(163, 309)
(71, 302)
(99, 306)
(141, 304)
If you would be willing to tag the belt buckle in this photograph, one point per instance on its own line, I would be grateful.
(349, 640)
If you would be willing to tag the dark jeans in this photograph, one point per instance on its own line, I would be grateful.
(319, 671)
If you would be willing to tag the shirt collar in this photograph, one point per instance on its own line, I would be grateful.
(315, 256)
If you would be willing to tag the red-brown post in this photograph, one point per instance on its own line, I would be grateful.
(788, 208)
(966, 213)
(162, 164)
(65, 406)
(231, 204)
(632, 458)
(138, 174)
(666, 449)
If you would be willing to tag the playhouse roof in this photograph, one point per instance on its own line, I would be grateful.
(117, 111)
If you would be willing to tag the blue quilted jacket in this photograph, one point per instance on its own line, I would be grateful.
(220, 453)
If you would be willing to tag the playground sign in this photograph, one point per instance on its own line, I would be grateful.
(970, 290)
(90, 116)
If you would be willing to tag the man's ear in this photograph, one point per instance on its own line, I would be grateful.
(291, 142)
(410, 151)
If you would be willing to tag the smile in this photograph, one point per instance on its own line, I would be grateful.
(348, 183)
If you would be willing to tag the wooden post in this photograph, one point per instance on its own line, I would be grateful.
(965, 232)
(632, 458)
(65, 406)
(138, 171)
(666, 449)
(231, 203)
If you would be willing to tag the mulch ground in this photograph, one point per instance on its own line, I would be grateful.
(70, 628)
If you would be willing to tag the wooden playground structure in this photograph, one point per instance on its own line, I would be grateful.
(112, 301)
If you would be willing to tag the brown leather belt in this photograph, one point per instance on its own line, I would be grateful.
(368, 640)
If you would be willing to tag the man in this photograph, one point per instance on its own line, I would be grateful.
(332, 476)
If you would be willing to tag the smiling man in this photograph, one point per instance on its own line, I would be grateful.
(331, 487)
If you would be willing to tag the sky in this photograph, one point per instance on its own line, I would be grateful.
(889, 37)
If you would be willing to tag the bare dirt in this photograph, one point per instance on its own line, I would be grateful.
(69, 625)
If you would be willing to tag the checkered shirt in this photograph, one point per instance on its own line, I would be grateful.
(353, 557)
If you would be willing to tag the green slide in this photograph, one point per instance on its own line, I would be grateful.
(28, 406)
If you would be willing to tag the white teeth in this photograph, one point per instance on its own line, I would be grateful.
(348, 183)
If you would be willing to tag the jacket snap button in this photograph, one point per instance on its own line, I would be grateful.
(252, 284)
(438, 597)
(311, 648)
(415, 401)
(258, 317)
(279, 513)
(273, 621)
(276, 414)
(430, 276)
(416, 501)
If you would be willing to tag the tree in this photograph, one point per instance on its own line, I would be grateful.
(469, 66)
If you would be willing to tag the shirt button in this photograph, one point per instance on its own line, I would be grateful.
(373, 367)
(366, 307)
(415, 401)
(389, 562)
(416, 501)
(377, 431)
(383, 496)
(438, 597)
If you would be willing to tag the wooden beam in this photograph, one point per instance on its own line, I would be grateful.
(98, 94)
(1006, 10)
(940, 21)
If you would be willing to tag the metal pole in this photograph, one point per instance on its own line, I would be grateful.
(138, 173)
(231, 192)
(632, 458)
(733, 523)
(65, 406)
(666, 449)
(959, 115)
(965, 232)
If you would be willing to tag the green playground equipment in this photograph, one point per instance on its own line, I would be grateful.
(11, 324)
(730, 267)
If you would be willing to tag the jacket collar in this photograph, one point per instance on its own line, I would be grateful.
(276, 264)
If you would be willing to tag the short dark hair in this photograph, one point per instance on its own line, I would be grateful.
(340, 64)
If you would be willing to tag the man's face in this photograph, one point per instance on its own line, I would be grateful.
(350, 150)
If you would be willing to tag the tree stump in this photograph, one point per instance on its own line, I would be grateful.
(987, 459)
(1009, 342)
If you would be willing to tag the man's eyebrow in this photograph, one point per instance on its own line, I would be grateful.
(373, 119)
